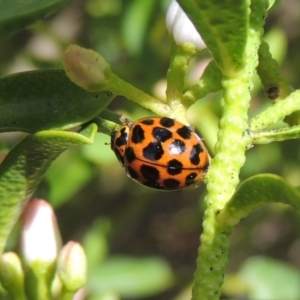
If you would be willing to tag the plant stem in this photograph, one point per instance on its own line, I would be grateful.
(179, 62)
(277, 112)
(221, 184)
(121, 87)
(223, 175)
(209, 82)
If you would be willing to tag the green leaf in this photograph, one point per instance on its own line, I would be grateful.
(223, 25)
(270, 279)
(132, 277)
(18, 14)
(255, 192)
(22, 170)
(47, 99)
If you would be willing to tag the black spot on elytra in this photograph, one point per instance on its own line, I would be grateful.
(129, 154)
(149, 173)
(161, 134)
(122, 139)
(171, 183)
(138, 134)
(184, 132)
(148, 122)
(154, 151)
(194, 155)
(154, 185)
(174, 167)
(167, 122)
(132, 173)
(177, 147)
(190, 179)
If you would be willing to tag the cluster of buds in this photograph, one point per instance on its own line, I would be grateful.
(45, 269)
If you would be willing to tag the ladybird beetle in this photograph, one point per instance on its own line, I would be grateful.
(161, 153)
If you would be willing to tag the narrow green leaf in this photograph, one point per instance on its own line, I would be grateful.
(254, 193)
(23, 168)
(281, 134)
(17, 14)
(47, 99)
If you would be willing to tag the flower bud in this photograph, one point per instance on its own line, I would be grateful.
(12, 275)
(181, 27)
(87, 68)
(72, 267)
(40, 239)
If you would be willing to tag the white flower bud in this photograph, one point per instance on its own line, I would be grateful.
(182, 29)
(40, 234)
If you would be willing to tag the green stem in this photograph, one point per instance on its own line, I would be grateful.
(222, 181)
(179, 63)
(39, 277)
(223, 175)
(121, 87)
(277, 112)
(209, 82)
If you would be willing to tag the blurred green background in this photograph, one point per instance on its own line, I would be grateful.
(141, 243)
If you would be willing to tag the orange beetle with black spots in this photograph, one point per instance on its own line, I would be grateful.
(161, 153)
